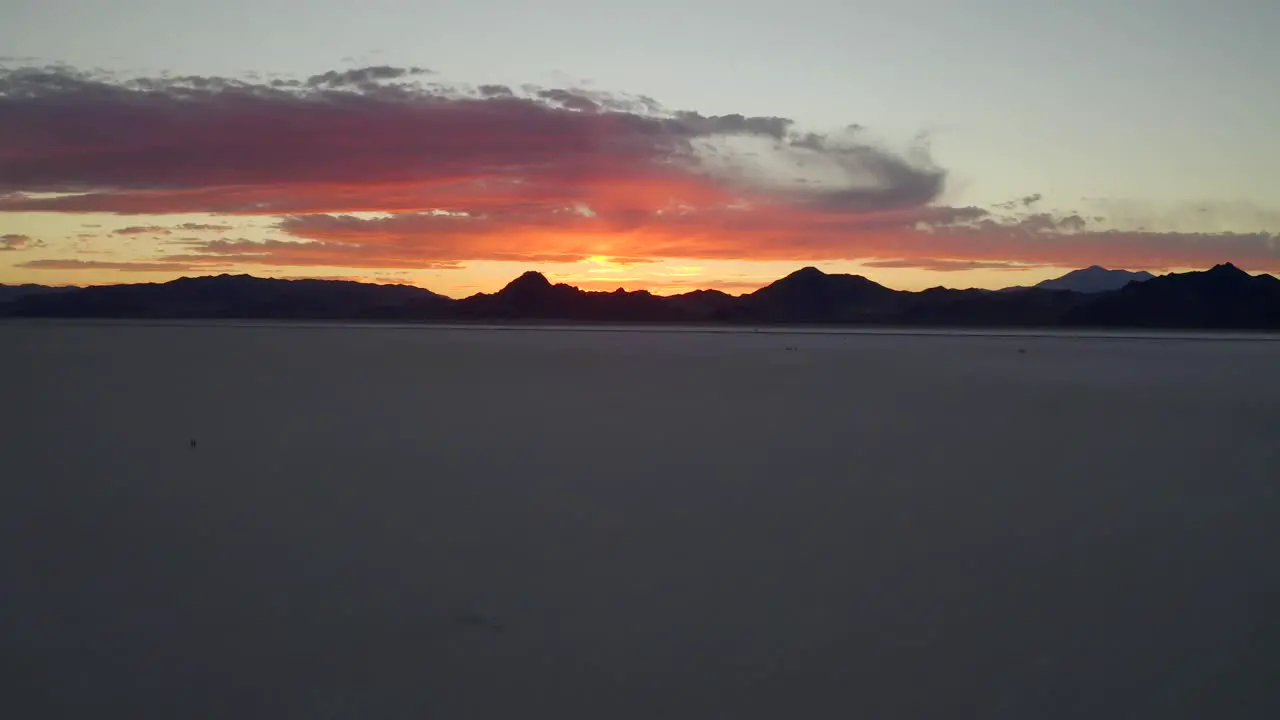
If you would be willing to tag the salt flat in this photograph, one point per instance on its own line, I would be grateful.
(460, 523)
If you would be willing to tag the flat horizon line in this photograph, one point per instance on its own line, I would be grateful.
(619, 287)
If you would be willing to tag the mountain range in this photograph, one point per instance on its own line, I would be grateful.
(1094, 279)
(1224, 297)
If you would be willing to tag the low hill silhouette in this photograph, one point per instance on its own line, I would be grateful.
(532, 297)
(226, 296)
(1223, 297)
(13, 292)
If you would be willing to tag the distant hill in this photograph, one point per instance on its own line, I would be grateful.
(809, 295)
(228, 296)
(1223, 297)
(1030, 307)
(532, 297)
(703, 303)
(13, 292)
(1094, 279)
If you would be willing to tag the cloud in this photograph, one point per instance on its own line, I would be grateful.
(291, 253)
(161, 230)
(364, 78)
(141, 230)
(123, 265)
(945, 265)
(14, 241)
(370, 139)
(385, 167)
(1022, 202)
(779, 233)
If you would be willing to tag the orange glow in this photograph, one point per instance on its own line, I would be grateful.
(442, 179)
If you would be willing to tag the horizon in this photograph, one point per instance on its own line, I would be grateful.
(973, 150)
(550, 279)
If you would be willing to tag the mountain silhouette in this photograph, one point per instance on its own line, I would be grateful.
(1030, 307)
(703, 303)
(13, 292)
(809, 295)
(226, 296)
(1223, 297)
(1094, 279)
(532, 297)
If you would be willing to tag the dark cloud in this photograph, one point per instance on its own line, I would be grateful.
(141, 230)
(952, 216)
(313, 253)
(210, 144)
(162, 230)
(13, 241)
(857, 176)
(570, 100)
(1071, 223)
(1022, 202)
(362, 77)
(694, 124)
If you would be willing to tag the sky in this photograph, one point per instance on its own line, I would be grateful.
(665, 145)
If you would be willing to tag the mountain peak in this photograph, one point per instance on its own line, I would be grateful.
(530, 280)
(221, 279)
(1226, 269)
(807, 276)
(808, 271)
(1094, 279)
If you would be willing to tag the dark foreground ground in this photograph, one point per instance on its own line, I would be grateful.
(435, 523)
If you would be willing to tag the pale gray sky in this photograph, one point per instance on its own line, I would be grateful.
(1156, 101)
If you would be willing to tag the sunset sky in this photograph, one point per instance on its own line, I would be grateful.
(664, 145)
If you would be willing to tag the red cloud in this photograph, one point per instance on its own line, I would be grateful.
(537, 175)
(925, 239)
(381, 142)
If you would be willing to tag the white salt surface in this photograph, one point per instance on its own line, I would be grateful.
(458, 523)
